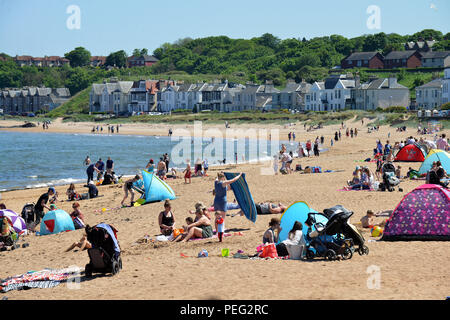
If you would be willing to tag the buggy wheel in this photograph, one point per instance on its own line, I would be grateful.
(330, 254)
(120, 263)
(115, 268)
(347, 254)
(363, 250)
(310, 254)
(88, 270)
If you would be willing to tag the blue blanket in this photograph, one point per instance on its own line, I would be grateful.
(243, 195)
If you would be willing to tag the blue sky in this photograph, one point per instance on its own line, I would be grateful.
(38, 27)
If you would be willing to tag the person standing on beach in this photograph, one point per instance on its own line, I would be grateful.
(109, 165)
(117, 129)
(187, 172)
(128, 187)
(293, 136)
(316, 147)
(162, 169)
(90, 171)
(101, 169)
(41, 204)
(166, 161)
(221, 186)
(205, 167)
(112, 129)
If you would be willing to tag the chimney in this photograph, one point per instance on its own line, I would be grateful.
(392, 81)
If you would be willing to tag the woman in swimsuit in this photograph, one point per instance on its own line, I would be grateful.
(271, 234)
(201, 228)
(166, 219)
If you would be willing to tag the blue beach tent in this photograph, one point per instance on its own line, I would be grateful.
(297, 211)
(56, 221)
(156, 189)
(436, 155)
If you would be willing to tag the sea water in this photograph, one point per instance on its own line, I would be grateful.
(33, 160)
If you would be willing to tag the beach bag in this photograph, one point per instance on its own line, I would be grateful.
(298, 167)
(269, 251)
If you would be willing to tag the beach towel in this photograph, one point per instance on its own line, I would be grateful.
(243, 195)
(47, 278)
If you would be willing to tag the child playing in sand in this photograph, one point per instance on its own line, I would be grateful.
(183, 235)
(187, 172)
(368, 220)
(220, 226)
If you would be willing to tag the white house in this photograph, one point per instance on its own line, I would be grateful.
(429, 95)
(380, 93)
(446, 86)
(333, 94)
(111, 97)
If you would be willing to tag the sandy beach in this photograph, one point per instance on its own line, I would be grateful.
(408, 270)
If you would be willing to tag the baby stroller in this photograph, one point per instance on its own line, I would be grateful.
(28, 214)
(389, 178)
(336, 238)
(105, 252)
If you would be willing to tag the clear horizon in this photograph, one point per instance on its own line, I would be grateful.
(40, 28)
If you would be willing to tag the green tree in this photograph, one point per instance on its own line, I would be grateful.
(117, 59)
(78, 57)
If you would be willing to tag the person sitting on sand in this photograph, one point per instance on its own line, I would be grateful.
(368, 220)
(200, 229)
(128, 187)
(72, 194)
(82, 244)
(398, 172)
(271, 234)
(356, 177)
(183, 235)
(77, 216)
(270, 208)
(295, 237)
(166, 219)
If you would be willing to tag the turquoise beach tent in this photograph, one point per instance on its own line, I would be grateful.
(436, 155)
(156, 189)
(56, 221)
(243, 196)
(297, 211)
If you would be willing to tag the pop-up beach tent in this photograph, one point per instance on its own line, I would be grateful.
(411, 153)
(156, 189)
(56, 221)
(436, 155)
(297, 211)
(423, 214)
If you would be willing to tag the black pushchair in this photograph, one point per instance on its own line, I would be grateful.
(336, 238)
(105, 252)
(28, 215)
(389, 178)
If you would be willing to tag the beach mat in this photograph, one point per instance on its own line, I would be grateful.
(243, 195)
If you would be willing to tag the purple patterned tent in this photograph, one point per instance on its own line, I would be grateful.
(17, 222)
(423, 214)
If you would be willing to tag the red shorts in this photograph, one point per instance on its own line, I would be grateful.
(187, 174)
